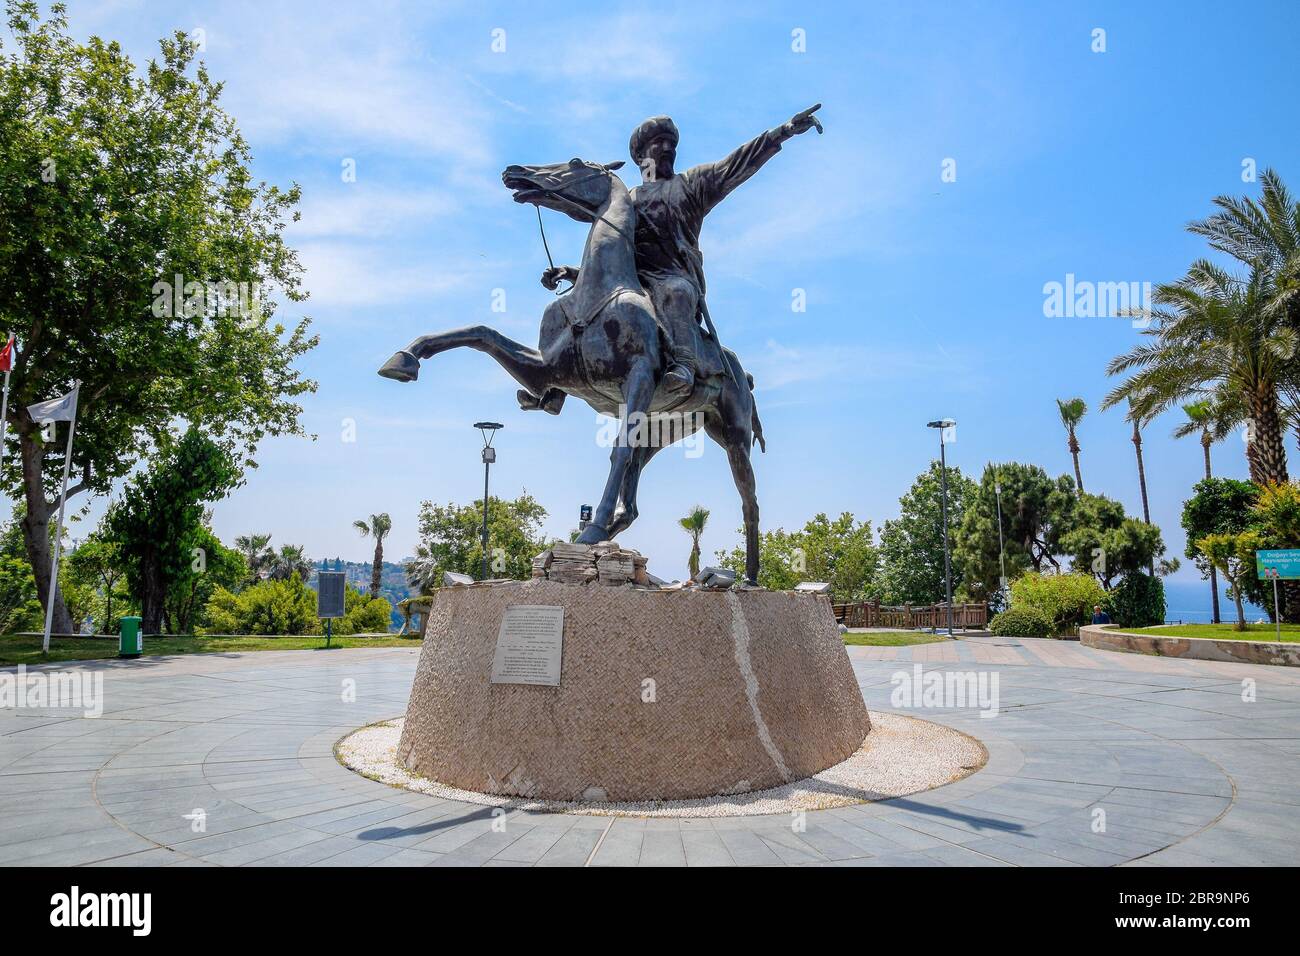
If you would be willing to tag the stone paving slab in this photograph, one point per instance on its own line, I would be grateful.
(1182, 769)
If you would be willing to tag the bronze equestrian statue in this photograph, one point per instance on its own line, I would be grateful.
(626, 338)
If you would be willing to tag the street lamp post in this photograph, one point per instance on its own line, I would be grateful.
(488, 430)
(1002, 554)
(942, 425)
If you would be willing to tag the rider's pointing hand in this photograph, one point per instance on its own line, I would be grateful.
(802, 122)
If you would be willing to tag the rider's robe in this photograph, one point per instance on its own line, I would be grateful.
(670, 212)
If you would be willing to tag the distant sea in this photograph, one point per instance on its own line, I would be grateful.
(1190, 601)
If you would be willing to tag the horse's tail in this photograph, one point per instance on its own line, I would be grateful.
(754, 423)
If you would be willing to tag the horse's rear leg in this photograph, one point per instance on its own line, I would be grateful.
(525, 365)
(743, 473)
(729, 427)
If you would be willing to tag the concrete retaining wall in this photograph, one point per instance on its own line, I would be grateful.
(1197, 648)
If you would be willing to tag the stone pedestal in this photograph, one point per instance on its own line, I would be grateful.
(663, 695)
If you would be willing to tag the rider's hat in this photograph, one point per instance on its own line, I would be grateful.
(654, 126)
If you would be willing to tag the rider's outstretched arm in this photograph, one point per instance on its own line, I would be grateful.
(712, 182)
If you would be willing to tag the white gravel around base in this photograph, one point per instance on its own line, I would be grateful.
(901, 755)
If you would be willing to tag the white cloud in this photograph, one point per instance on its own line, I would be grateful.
(357, 210)
(349, 275)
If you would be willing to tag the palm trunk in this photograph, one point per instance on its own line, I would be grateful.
(1142, 482)
(1142, 474)
(377, 572)
(1267, 456)
(1074, 453)
(36, 530)
(1266, 452)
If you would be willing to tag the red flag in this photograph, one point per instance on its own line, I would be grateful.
(7, 355)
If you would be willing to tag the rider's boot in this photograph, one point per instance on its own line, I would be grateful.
(679, 379)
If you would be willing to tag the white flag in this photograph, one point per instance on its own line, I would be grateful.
(55, 410)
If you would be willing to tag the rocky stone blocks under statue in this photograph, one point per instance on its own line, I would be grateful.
(662, 694)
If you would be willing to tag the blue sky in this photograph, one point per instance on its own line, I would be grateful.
(924, 297)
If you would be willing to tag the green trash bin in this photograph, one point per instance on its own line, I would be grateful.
(131, 642)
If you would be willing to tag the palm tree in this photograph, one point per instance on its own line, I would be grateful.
(378, 527)
(1264, 234)
(1072, 411)
(254, 548)
(1200, 420)
(693, 524)
(1201, 417)
(1214, 338)
(292, 559)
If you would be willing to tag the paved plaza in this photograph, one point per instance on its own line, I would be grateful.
(1095, 759)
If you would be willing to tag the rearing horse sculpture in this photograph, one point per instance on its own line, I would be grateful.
(600, 342)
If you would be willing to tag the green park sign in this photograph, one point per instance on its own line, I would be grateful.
(1285, 561)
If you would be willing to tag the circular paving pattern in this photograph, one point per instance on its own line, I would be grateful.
(1095, 758)
(901, 756)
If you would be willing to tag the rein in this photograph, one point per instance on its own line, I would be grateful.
(559, 194)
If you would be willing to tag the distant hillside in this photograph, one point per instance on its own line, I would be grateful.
(393, 585)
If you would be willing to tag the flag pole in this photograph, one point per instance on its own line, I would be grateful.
(58, 536)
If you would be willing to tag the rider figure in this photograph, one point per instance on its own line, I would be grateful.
(670, 211)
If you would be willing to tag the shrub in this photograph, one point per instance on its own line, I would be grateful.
(271, 607)
(364, 614)
(1021, 620)
(1138, 601)
(19, 608)
(1066, 599)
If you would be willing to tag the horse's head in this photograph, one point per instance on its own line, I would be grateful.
(577, 188)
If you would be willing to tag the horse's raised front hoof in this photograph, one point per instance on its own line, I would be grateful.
(593, 534)
(402, 367)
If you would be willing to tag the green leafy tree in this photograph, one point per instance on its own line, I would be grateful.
(1105, 542)
(20, 609)
(1222, 506)
(158, 522)
(693, 524)
(1036, 511)
(1072, 411)
(269, 607)
(1234, 556)
(113, 182)
(911, 545)
(215, 566)
(450, 540)
(377, 527)
(840, 552)
(98, 563)
(1204, 421)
